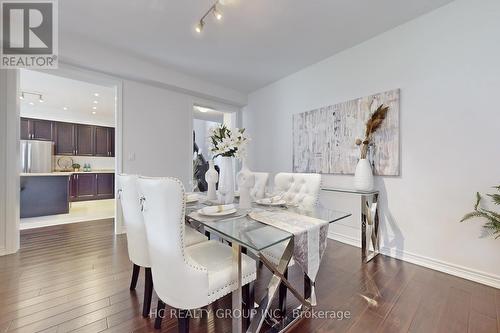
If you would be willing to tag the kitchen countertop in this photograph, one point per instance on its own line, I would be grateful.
(64, 173)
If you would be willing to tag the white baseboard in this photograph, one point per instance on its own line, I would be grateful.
(438, 265)
(344, 239)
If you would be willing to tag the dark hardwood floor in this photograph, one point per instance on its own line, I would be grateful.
(76, 278)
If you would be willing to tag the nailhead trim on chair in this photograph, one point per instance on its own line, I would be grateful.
(188, 262)
(225, 290)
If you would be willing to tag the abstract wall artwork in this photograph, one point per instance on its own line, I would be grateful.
(324, 138)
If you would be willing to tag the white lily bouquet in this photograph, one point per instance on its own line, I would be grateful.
(228, 142)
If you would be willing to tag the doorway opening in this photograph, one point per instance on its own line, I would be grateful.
(205, 118)
(68, 144)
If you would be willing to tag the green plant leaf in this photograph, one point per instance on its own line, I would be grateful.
(478, 200)
(471, 215)
(495, 198)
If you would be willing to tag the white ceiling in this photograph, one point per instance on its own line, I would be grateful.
(60, 92)
(257, 42)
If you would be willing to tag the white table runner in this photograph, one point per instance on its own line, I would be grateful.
(310, 238)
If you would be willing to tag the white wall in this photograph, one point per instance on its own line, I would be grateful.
(157, 131)
(9, 163)
(447, 66)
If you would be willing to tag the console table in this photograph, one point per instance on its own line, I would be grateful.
(369, 220)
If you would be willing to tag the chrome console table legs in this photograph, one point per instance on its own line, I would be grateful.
(369, 226)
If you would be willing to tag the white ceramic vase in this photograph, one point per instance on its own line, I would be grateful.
(226, 181)
(211, 177)
(363, 178)
(246, 180)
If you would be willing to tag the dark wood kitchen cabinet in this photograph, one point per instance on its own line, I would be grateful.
(105, 188)
(84, 140)
(65, 139)
(37, 129)
(92, 186)
(25, 129)
(85, 186)
(104, 141)
(71, 139)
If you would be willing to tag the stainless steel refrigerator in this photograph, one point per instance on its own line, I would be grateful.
(36, 156)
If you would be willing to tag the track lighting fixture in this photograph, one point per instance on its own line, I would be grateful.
(199, 27)
(217, 13)
(215, 10)
(40, 96)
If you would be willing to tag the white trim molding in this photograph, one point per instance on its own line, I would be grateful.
(438, 265)
(9, 178)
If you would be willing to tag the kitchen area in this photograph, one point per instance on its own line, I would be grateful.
(67, 149)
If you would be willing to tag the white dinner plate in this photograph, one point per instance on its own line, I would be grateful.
(267, 202)
(223, 213)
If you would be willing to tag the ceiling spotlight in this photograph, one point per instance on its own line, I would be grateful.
(31, 103)
(96, 94)
(93, 112)
(96, 102)
(65, 108)
(94, 108)
(199, 27)
(22, 96)
(40, 99)
(217, 13)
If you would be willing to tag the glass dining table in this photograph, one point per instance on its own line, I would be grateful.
(247, 234)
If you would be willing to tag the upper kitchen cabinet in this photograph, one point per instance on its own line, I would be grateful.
(71, 139)
(25, 129)
(84, 140)
(65, 139)
(104, 140)
(37, 129)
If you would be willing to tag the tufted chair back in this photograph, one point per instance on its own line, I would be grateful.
(136, 232)
(299, 188)
(259, 189)
(178, 280)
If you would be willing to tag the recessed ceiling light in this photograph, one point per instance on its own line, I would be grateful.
(65, 108)
(96, 102)
(93, 112)
(94, 108)
(96, 94)
(31, 103)
(203, 109)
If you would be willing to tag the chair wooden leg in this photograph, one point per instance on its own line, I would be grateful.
(135, 276)
(160, 312)
(148, 292)
(282, 294)
(183, 321)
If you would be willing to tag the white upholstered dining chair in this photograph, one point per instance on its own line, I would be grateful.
(136, 236)
(185, 278)
(258, 191)
(298, 188)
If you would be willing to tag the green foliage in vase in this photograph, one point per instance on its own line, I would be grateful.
(492, 218)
